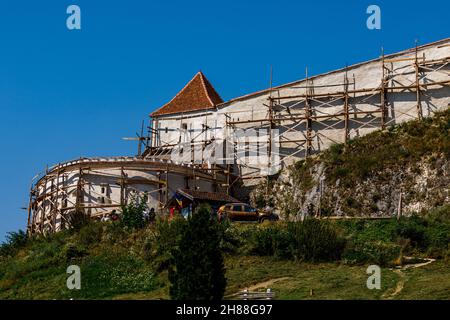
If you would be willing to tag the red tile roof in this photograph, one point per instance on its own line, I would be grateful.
(198, 94)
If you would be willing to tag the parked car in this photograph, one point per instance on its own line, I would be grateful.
(244, 212)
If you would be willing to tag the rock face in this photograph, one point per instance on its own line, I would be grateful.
(406, 168)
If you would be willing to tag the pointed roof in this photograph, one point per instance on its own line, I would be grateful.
(198, 94)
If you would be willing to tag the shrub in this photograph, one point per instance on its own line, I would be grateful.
(316, 240)
(197, 271)
(263, 241)
(133, 212)
(439, 215)
(231, 239)
(414, 229)
(77, 220)
(311, 240)
(114, 232)
(14, 241)
(71, 251)
(379, 253)
(164, 241)
(90, 234)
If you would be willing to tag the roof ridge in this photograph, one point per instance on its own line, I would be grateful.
(197, 94)
(204, 87)
(179, 92)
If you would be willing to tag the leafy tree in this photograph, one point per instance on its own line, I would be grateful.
(197, 271)
(133, 212)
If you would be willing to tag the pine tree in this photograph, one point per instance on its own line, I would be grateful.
(197, 271)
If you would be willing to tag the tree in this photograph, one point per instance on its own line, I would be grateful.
(133, 212)
(197, 271)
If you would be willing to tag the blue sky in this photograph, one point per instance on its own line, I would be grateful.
(66, 94)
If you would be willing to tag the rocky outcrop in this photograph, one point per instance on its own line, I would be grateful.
(406, 169)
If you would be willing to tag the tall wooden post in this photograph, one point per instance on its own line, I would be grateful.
(79, 200)
(30, 205)
(383, 92)
(122, 187)
(346, 115)
(308, 118)
(167, 185)
(419, 102)
(56, 209)
(400, 205)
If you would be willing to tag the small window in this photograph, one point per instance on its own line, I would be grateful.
(249, 209)
(166, 129)
(184, 126)
(237, 208)
(103, 190)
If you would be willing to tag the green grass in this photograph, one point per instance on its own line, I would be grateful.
(132, 264)
(335, 281)
(431, 282)
(327, 280)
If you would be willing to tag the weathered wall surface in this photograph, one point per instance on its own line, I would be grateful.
(98, 188)
(363, 82)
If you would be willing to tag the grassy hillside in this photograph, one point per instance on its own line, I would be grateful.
(121, 263)
(315, 259)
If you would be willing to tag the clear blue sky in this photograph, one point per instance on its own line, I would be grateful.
(66, 94)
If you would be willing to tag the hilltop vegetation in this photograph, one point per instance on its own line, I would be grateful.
(118, 262)
(368, 175)
(316, 258)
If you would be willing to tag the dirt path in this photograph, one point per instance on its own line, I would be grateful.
(257, 286)
(398, 288)
(265, 284)
(401, 282)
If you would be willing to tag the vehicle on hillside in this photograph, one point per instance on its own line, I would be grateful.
(244, 212)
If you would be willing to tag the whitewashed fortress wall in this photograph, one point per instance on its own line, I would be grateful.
(326, 99)
(310, 115)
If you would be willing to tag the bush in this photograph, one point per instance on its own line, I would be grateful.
(166, 237)
(363, 252)
(114, 232)
(14, 241)
(197, 271)
(311, 240)
(428, 234)
(133, 213)
(439, 215)
(415, 229)
(77, 220)
(316, 240)
(90, 234)
(71, 251)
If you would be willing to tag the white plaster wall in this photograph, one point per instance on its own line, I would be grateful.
(401, 106)
(93, 181)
